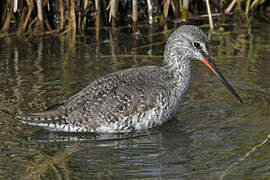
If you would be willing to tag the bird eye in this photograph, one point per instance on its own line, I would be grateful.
(197, 44)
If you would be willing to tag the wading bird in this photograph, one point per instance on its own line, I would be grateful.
(135, 98)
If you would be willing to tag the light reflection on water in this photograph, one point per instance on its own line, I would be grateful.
(209, 138)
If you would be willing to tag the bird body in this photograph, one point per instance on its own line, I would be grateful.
(132, 99)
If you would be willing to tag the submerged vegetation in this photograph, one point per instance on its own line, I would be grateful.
(69, 17)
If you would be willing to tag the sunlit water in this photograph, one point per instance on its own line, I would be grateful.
(212, 137)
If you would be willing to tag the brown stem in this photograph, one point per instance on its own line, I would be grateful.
(48, 25)
(175, 7)
(61, 23)
(21, 22)
(79, 13)
(135, 16)
(166, 4)
(97, 23)
(31, 6)
(40, 16)
(97, 5)
(113, 12)
(5, 27)
(73, 17)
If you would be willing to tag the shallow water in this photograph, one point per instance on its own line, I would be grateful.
(212, 137)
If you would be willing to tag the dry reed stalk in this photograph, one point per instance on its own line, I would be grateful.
(97, 23)
(21, 22)
(175, 8)
(166, 5)
(79, 14)
(61, 7)
(73, 16)
(150, 11)
(209, 15)
(40, 16)
(135, 17)
(97, 5)
(229, 8)
(113, 7)
(184, 10)
(30, 4)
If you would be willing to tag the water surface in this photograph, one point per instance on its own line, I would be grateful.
(212, 137)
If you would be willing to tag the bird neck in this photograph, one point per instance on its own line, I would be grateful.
(179, 69)
(178, 65)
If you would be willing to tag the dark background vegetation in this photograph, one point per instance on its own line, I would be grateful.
(40, 17)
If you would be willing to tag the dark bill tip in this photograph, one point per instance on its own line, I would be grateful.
(210, 64)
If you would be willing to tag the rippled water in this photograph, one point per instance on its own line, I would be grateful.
(212, 137)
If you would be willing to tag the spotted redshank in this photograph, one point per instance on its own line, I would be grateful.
(135, 98)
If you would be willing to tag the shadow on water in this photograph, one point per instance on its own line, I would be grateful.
(212, 137)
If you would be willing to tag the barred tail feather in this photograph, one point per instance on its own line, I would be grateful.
(44, 117)
(51, 122)
(50, 118)
(53, 119)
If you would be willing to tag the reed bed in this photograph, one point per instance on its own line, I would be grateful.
(41, 17)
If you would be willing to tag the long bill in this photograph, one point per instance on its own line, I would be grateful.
(209, 63)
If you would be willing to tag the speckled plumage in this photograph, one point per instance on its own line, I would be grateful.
(132, 99)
